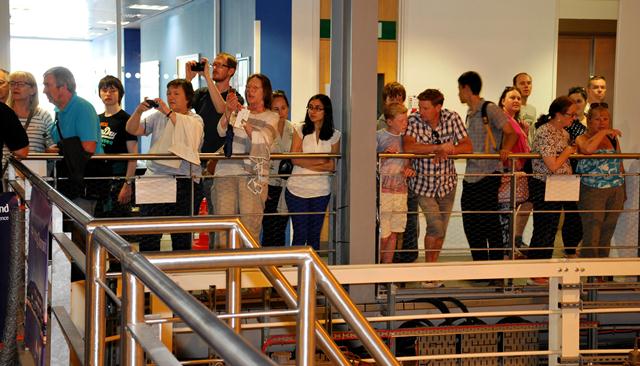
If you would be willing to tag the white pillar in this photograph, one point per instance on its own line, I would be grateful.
(5, 36)
(627, 76)
(305, 55)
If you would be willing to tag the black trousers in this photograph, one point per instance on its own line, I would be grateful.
(483, 230)
(273, 226)
(545, 224)
(182, 207)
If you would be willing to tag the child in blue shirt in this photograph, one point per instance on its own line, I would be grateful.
(393, 182)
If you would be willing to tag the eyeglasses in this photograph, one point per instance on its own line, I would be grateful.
(217, 64)
(19, 84)
(572, 115)
(599, 105)
(436, 137)
(315, 108)
(109, 90)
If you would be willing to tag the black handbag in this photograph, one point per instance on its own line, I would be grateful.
(74, 156)
(285, 168)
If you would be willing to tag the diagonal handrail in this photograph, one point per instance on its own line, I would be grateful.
(233, 349)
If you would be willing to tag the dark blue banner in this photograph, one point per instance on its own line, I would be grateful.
(8, 204)
(37, 267)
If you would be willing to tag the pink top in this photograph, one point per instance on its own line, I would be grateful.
(522, 144)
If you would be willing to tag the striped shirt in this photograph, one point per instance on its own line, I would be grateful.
(435, 179)
(38, 132)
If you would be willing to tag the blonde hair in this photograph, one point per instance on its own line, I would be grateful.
(391, 110)
(28, 79)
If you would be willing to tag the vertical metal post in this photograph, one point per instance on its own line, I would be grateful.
(94, 304)
(234, 288)
(132, 313)
(60, 296)
(306, 346)
(392, 290)
(514, 209)
(555, 320)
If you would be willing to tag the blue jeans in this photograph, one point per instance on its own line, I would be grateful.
(306, 228)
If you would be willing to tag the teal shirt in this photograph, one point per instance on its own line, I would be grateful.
(78, 118)
(609, 168)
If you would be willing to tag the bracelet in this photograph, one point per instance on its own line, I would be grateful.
(128, 182)
(169, 114)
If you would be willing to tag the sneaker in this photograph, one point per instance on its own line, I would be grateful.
(431, 284)
(538, 281)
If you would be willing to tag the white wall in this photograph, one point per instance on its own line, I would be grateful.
(588, 9)
(627, 76)
(305, 55)
(439, 40)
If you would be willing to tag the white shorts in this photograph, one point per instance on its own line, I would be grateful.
(393, 213)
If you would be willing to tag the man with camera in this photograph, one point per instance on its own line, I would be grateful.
(209, 103)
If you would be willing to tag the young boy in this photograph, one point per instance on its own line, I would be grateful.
(393, 182)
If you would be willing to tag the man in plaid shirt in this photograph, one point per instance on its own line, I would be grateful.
(434, 130)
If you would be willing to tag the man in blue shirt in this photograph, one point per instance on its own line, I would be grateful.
(75, 117)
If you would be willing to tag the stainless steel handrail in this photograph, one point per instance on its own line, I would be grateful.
(510, 156)
(234, 349)
(203, 156)
(311, 267)
(169, 261)
(207, 325)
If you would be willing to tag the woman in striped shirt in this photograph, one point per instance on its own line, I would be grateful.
(24, 101)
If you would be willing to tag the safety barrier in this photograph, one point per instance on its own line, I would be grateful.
(514, 214)
(564, 304)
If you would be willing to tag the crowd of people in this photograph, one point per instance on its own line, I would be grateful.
(188, 122)
(262, 191)
(507, 127)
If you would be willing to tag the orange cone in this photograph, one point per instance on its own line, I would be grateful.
(202, 242)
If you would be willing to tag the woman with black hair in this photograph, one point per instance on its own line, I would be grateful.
(552, 143)
(308, 188)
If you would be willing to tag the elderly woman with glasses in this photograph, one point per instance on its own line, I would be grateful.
(602, 190)
(24, 101)
(309, 188)
(240, 186)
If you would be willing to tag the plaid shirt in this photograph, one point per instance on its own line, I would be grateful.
(435, 179)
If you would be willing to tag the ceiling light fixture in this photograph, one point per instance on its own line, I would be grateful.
(110, 22)
(148, 7)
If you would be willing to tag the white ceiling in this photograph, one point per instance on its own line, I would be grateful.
(77, 19)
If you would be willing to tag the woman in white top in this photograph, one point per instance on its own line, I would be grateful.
(240, 186)
(173, 128)
(309, 188)
(24, 101)
(274, 224)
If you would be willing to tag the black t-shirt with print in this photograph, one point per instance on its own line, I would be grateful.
(114, 140)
